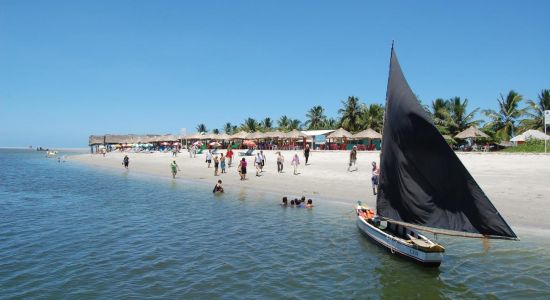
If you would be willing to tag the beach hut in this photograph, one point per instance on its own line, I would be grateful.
(341, 135)
(241, 135)
(367, 134)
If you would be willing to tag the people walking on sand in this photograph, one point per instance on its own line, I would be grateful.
(218, 188)
(222, 163)
(242, 168)
(209, 157)
(306, 153)
(216, 165)
(229, 155)
(126, 161)
(295, 163)
(353, 159)
(175, 168)
(262, 157)
(258, 164)
(194, 151)
(174, 151)
(374, 178)
(280, 162)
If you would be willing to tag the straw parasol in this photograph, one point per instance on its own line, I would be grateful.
(241, 135)
(274, 134)
(340, 134)
(294, 134)
(471, 132)
(367, 134)
(194, 136)
(530, 135)
(255, 135)
(224, 136)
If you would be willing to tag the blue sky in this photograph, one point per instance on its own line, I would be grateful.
(69, 69)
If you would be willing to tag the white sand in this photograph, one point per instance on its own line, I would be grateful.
(517, 184)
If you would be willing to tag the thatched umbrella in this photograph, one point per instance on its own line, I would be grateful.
(224, 136)
(241, 135)
(255, 135)
(367, 134)
(340, 134)
(274, 134)
(294, 134)
(471, 132)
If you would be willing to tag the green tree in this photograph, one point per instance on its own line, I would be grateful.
(373, 117)
(315, 118)
(266, 124)
(459, 118)
(330, 123)
(535, 112)
(294, 124)
(201, 128)
(503, 122)
(440, 112)
(250, 125)
(350, 114)
(215, 131)
(228, 128)
(283, 123)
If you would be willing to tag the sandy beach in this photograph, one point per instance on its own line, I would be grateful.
(517, 184)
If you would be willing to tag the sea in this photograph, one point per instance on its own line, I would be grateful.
(68, 231)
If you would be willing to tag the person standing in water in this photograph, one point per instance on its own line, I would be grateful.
(126, 161)
(306, 153)
(374, 178)
(175, 168)
(242, 169)
(222, 163)
(295, 163)
(216, 166)
(353, 159)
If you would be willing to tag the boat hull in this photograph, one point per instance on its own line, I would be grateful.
(397, 246)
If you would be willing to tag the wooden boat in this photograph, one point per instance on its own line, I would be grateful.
(423, 185)
(398, 239)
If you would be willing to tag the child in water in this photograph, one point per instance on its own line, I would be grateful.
(218, 188)
(285, 201)
(309, 203)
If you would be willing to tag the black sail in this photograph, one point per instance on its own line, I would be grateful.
(422, 181)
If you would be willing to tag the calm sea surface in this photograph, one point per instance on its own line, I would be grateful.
(68, 231)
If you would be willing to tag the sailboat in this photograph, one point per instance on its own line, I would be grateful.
(423, 186)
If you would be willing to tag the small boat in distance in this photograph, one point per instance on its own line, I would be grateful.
(423, 185)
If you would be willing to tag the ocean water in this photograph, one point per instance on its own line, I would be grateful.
(73, 232)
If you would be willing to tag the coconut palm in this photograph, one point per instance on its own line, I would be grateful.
(201, 128)
(440, 114)
(373, 117)
(330, 123)
(294, 124)
(228, 128)
(250, 125)
(350, 114)
(283, 123)
(503, 122)
(460, 120)
(266, 124)
(215, 131)
(315, 117)
(535, 112)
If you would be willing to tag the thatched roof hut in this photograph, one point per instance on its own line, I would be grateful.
(367, 134)
(340, 133)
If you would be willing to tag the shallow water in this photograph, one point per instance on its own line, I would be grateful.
(68, 231)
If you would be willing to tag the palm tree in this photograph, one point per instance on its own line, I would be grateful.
(228, 128)
(266, 124)
(250, 125)
(503, 121)
(350, 114)
(440, 114)
(373, 117)
(283, 123)
(215, 131)
(460, 120)
(295, 124)
(535, 112)
(201, 128)
(330, 123)
(316, 117)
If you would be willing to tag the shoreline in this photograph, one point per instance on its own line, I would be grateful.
(515, 184)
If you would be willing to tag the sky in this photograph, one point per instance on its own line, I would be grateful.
(69, 69)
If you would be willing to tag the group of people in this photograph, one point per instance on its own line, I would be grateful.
(298, 203)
